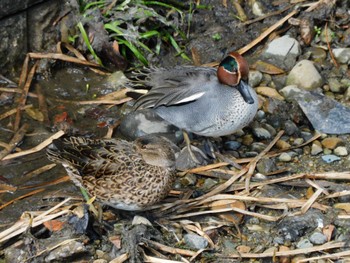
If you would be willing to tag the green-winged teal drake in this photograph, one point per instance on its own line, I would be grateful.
(201, 100)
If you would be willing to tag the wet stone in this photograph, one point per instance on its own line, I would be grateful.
(232, 145)
(290, 127)
(209, 183)
(318, 54)
(261, 133)
(340, 151)
(255, 78)
(318, 238)
(306, 135)
(283, 52)
(268, 127)
(285, 157)
(316, 148)
(283, 145)
(195, 241)
(258, 147)
(305, 75)
(266, 166)
(248, 140)
(298, 141)
(342, 55)
(331, 142)
(189, 180)
(335, 85)
(304, 243)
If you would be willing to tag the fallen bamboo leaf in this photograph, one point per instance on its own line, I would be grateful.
(268, 68)
(269, 92)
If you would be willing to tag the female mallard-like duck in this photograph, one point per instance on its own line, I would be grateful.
(201, 100)
(125, 175)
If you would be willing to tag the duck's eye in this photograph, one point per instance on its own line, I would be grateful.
(230, 64)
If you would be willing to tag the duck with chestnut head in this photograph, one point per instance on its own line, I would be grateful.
(202, 100)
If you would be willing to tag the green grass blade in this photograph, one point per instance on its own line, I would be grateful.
(88, 44)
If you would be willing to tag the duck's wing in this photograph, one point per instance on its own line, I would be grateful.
(175, 86)
(90, 157)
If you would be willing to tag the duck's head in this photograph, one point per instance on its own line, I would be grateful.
(156, 150)
(233, 71)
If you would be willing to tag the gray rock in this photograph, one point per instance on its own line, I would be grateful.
(261, 133)
(290, 127)
(298, 141)
(335, 85)
(184, 160)
(289, 92)
(319, 108)
(283, 52)
(143, 122)
(285, 157)
(340, 151)
(232, 145)
(305, 75)
(304, 243)
(195, 241)
(266, 165)
(318, 238)
(258, 147)
(342, 55)
(316, 149)
(255, 78)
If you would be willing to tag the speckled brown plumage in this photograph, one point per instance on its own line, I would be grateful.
(122, 174)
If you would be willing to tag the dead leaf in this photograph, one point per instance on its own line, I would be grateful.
(306, 30)
(195, 57)
(54, 225)
(343, 206)
(284, 259)
(269, 92)
(309, 192)
(243, 249)
(35, 114)
(267, 68)
(328, 231)
(116, 240)
(233, 217)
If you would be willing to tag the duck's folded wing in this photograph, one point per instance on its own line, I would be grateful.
(175, 86)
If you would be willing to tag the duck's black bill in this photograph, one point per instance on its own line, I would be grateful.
(244, 89)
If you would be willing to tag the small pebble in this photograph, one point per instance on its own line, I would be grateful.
(283, 145)
(327, 151)
(258, 147)
(195, 241)
(316, 149)
(248, 139)
(341, 151)
(290, 127)
(261, 133)
(331, 142)
(138, 220)
(304, 243)
(285, 157)
(318, 238)
(298, 141)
